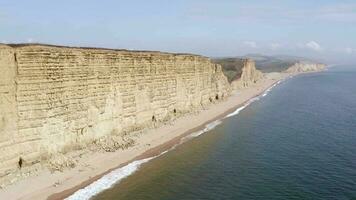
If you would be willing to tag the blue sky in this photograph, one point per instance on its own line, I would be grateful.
(324, 29)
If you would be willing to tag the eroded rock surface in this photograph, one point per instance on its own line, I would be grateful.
(249, 76)
(56, 99)
(305, 67)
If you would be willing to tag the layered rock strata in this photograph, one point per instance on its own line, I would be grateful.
(249, 76)
(54, 99)
(305, 67)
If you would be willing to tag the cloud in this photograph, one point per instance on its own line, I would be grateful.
(349, 50)
(30, 40)
(275, 46)
(250, 44)
(312, 45)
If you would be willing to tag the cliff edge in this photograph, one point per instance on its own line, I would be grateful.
(249, 76)
(301, 67)
(54, 100)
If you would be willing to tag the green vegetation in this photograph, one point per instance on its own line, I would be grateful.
(232, 67)
(268, 64)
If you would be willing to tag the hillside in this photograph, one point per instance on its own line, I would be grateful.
(232, 67)
(278, 63)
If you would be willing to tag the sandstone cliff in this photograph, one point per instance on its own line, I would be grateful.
(305, 67)
(249, 75)
(56, 99)
(232, 67)
(241, 72)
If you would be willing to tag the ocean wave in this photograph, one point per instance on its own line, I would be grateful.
(207, 128)
(108, 180)
(115, 176)
(237, 111)
(265, 93)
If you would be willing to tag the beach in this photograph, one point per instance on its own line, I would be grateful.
(93, 166)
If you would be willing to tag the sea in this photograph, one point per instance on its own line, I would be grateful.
(295, 141)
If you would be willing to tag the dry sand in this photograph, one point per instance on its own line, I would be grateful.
(59, 185)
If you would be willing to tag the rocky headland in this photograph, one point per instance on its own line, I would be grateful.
(301, 67)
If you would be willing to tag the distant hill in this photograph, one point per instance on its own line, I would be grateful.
(232, 67)
(278, 63)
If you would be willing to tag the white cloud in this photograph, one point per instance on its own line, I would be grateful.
(275, 46)
(312, 45)
(29, 40)
(349, 50)
(250, 44)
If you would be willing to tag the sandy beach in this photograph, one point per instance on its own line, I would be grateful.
(92, 166)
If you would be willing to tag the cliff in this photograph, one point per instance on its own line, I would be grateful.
(300, 67)
(249, 75)
(232, 67)
(57, 99)
(241, 72)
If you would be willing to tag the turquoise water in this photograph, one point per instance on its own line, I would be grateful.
(298, 142)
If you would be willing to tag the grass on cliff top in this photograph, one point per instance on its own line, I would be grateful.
(232, 67)
(277, 63)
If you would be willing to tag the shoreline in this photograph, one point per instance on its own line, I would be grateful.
(153, 152)
(72, 180)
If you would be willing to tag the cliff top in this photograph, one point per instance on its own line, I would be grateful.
(22, 45)
(232, 67)
(267, 64)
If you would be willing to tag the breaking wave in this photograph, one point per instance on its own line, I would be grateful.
(119, 174)
(108, 180)
(265, 93)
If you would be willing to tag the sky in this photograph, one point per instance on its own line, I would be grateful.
(322, 29)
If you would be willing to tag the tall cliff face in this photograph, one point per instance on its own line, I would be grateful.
(249, 75)
(55, 98)
(232, 67)
(305, 67)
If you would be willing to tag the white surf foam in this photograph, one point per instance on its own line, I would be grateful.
(207, 128)
(108, 180)
(265, 93)
(119, 174)
(237, 111)
(211, 125)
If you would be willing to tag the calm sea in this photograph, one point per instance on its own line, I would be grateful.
(297, 142)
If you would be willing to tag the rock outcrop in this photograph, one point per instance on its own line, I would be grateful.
(249, 75)
(232, 67)
(305, 67)
(55, 99)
